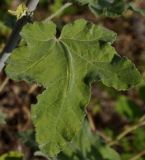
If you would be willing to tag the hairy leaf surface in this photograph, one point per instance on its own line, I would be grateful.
(66, 66)
(88, 146)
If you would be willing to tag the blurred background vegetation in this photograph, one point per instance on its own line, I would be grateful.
(114, 119)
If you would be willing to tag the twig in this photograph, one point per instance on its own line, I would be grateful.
(4, 83)
(139, 155)
(58, 12)
(15, 35)
(94, 129)
(91, 122)
(127, 131)
(103, 136)
(33, 88)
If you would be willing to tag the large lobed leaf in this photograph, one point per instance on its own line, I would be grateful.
(66, 66)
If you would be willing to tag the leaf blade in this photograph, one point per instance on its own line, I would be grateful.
(66, 67)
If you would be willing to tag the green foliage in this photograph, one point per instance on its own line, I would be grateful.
(136, 8)
(134, 145)
(28, 139)
(128, 108)
(111, 7)
(66, 66)
(142, 93)
(4, 30)
(105, 7)
(2, 118)
(12, 156)
(6, 1)
(139, 138)
(88, 145)
(57, 5)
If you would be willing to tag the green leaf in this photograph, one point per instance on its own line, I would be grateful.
(12, 156)
(4, 30)
(56, 6)
(88, 146)
(133, 145)
(142, 92)
(139, 138)
(105, 7)
(28, 138)
(137, 8)
(128, 108)
(66, 66)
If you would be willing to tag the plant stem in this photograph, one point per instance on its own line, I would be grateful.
(33, 88)
(127, 131)
(139, 155)
(15, 37)
(58, 12)
(4, 83)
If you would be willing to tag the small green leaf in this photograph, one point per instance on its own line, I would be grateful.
(12, 156)
(109, 153)
(128, 108)
(4, 30)
(56, 6)
(66, 66)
